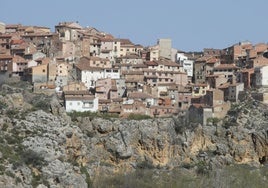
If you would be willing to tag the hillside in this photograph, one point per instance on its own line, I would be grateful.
(42, 146)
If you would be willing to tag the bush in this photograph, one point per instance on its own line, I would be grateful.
(12, 113)
(214, 121)
(3, 105)
(30, 157)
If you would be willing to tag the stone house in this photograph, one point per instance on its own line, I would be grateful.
(163, 111)
(127, 47)
(6, 63)
(36, 74)
(133, 79)
(184, 98)
(200, 70)
(134, 107)
(43, 41)
(258, 61)
(215, 81)
(103, 88)
(213, 97)
(109, 49)
(18, 65)
(130, 59)
(234, 90)
(211, 105)
(74, 86)
(63, 70)
(228, 70)
(68, 31)
(96, 62)
(5, 40)
(147, 99)
(245, 76)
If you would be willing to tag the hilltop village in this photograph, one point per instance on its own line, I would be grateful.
(91, 70)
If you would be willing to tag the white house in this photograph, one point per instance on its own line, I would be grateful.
(180, 57)
(188, 66)
(80, 101)
(261, 76)
(89, 75)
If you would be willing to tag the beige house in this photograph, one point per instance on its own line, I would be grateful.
(37, 73)
(75, 86)
(212, 105)
(127, 47)
(96, 62)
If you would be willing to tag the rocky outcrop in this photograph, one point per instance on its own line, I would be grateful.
(47, 149)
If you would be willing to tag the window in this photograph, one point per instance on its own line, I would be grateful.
(88, 104)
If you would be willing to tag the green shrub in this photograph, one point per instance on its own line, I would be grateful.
(3, 105)
(214, 120)
(30, 157)
(12, 113)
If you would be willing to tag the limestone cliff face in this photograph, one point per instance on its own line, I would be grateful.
(48, 149)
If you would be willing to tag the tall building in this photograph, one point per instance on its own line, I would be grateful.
(165, 48)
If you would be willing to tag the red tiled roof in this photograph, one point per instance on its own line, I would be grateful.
(86, 66)
(16, 41)
(139, 95)
(17, 58)
(4, 56)
(167, 63)
(151, 63)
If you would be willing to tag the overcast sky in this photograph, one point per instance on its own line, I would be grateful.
(191, 24)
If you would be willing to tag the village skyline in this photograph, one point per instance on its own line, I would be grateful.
(91, 70)
(192, 25)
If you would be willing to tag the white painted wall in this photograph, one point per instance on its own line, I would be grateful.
(82, 105)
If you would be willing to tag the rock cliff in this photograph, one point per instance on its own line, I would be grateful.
(45, 148)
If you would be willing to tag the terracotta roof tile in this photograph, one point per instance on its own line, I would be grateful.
(139, 95)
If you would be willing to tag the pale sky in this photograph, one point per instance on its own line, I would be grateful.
(191, 24)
